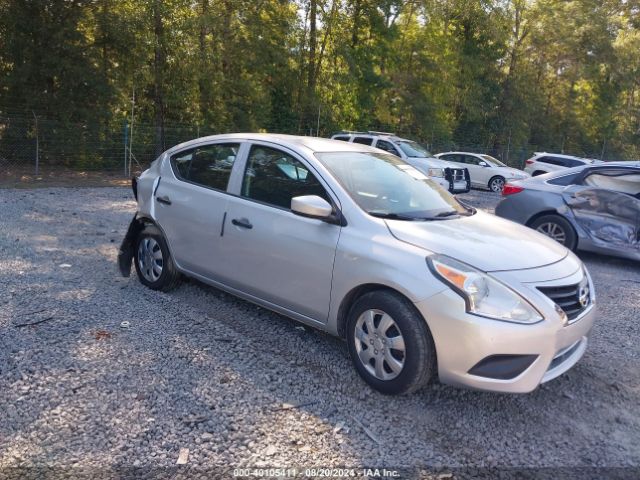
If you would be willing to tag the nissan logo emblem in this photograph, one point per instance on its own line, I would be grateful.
(583, 296)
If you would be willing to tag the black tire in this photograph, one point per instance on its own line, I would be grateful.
(537, 172)
(169, 278)
(496, 184)
(546, 223)
(419, 357)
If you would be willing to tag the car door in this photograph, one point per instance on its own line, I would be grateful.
(476, 171)
(190, 202)
(268, 251)
(483, 170)
(606, 205)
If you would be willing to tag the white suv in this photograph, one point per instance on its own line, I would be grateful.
(451, 177)
(543, 162)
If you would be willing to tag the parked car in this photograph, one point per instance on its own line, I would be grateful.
(485, 171)
(356, 242)
(449, 176)
(542, 163)
(593, 207)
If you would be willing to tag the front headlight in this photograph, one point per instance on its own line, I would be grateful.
(484, 295)
(436, 172)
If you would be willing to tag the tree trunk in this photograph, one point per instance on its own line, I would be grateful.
(159, 64)
(203, 81)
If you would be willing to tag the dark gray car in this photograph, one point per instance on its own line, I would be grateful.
(592, 207)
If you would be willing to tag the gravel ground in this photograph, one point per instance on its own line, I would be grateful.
(238, 385)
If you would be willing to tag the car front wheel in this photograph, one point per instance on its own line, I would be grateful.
(557, 228)
(389, 343)
(496, 184)
(153, 262)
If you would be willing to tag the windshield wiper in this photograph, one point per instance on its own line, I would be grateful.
(393, 216)
(449, 213)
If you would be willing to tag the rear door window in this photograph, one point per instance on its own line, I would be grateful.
(452, 157)
(363, 140)
(208, 165)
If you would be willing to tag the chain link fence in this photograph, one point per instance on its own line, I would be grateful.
(32, 146)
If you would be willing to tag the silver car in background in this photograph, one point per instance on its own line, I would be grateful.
(451, 177)
(592, 207)
(485, 170)
(358, 243)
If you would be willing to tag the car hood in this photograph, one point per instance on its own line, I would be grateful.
(482, 240)
(429, 162)
(509, 172)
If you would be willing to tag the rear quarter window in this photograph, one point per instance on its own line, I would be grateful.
(549, 160)
(343, 138)
(565, 179)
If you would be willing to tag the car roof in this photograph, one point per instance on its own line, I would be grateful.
(579, 168)
(314, 144)
(463, 153)
(382, 135)
(560, 155)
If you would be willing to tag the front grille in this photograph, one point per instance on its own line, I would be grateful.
(455, 174)
(572, 299)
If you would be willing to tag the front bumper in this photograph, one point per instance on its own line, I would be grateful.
(539, 352)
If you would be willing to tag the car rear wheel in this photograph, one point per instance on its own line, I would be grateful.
(557, 228)
(153, 262)
(390, 344)
(496, 184)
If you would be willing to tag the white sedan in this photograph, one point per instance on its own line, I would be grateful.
(485, 170)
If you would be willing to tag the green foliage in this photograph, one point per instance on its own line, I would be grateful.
(498, 75)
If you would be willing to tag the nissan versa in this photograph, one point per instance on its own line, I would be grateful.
(356, 242)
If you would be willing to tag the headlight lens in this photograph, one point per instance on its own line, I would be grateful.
(483, 295)
(436, 172)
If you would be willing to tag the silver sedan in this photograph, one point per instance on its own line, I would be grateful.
(358, 243)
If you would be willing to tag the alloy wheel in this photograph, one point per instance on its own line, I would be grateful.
(553, 230)
(497, 184)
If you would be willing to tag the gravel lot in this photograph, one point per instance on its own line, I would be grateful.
(240, 386)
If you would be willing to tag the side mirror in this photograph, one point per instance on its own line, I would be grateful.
(483, 164)
(311, 206)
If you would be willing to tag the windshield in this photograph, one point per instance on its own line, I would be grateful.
(492, 161)
(384, 186)
(413, 149)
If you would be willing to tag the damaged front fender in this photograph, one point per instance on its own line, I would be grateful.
(127, 248)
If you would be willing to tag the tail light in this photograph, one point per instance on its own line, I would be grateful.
(509, 189)
(529, 162)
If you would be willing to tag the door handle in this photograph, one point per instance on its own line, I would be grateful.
(242, 223)
(165, 200)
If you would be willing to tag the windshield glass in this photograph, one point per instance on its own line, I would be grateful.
(413, 149)
(384, 186)
(492, 161)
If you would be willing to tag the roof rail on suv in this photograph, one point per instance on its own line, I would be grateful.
(373, 132)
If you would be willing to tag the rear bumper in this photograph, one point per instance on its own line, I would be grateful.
(540, 352)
